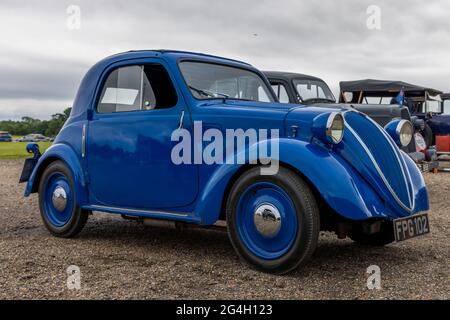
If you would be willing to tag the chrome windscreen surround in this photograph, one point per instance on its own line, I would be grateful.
(409, 207)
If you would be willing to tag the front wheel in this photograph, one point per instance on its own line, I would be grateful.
(58, 202)
(273, 220)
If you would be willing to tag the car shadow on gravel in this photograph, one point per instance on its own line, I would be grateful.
(335, 257)
(135, 233)
(332, 256)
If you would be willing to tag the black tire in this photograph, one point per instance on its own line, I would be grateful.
(428, 136)
(78, 217)
(379, 239)
(306, 210)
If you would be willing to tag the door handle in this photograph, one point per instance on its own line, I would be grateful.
(180, 125)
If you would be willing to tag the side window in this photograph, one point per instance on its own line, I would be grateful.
(121, 90)
(135, 88)
(281, 93)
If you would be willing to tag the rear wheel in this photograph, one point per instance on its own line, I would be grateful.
(273, 221)
(58, 202)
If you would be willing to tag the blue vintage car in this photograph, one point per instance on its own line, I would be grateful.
(333, 169)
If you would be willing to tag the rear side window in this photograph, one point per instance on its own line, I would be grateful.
(133, 88)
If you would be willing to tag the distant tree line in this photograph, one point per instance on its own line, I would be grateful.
(27, 125)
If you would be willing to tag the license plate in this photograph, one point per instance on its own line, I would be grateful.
(410, 227)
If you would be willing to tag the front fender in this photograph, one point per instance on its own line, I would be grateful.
(339, 184)
(63, 152)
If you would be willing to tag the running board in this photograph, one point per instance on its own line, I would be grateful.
(155, 214)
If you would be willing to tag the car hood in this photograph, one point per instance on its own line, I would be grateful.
(370, 151)
(365, 146)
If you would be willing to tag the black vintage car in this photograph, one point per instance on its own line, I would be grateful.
(422, 102)
(305, 89)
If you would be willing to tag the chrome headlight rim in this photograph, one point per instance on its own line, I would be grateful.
(402, 126)
(332, 120)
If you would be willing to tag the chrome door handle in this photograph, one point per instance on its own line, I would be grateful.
(83, 141)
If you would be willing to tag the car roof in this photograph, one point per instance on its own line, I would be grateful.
(176, 54)
(289, 75)
(374, 86)
(88, 84)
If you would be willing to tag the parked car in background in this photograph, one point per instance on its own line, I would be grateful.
(337, 169)
(34, 137)
(299, 88)
(305, 89)
(5, 136)
(423, 102)
(441, 126)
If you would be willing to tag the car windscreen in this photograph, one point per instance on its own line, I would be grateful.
(212, 81)
(313, 89)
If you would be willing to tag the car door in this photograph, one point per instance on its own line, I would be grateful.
(129, 140)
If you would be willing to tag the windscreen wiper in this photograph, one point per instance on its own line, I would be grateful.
(316, 100)
(208, 93)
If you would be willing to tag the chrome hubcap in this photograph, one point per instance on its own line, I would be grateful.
(59, 199)
(267, 220)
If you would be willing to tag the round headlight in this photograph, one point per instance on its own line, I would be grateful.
(335, 128)
(401, 131)
(405, 131)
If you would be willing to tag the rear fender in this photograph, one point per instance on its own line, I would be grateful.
(66, 154)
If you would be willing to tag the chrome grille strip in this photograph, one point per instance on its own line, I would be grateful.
(401, 160)
(377, 167)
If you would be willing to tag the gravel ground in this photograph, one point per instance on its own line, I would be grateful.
(126, 260)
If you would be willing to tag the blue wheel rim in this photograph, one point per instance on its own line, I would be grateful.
(262, 246)
(56, 217)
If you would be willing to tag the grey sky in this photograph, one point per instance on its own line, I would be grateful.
(42, 61)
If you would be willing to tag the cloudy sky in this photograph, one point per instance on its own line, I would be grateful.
(43, 58)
